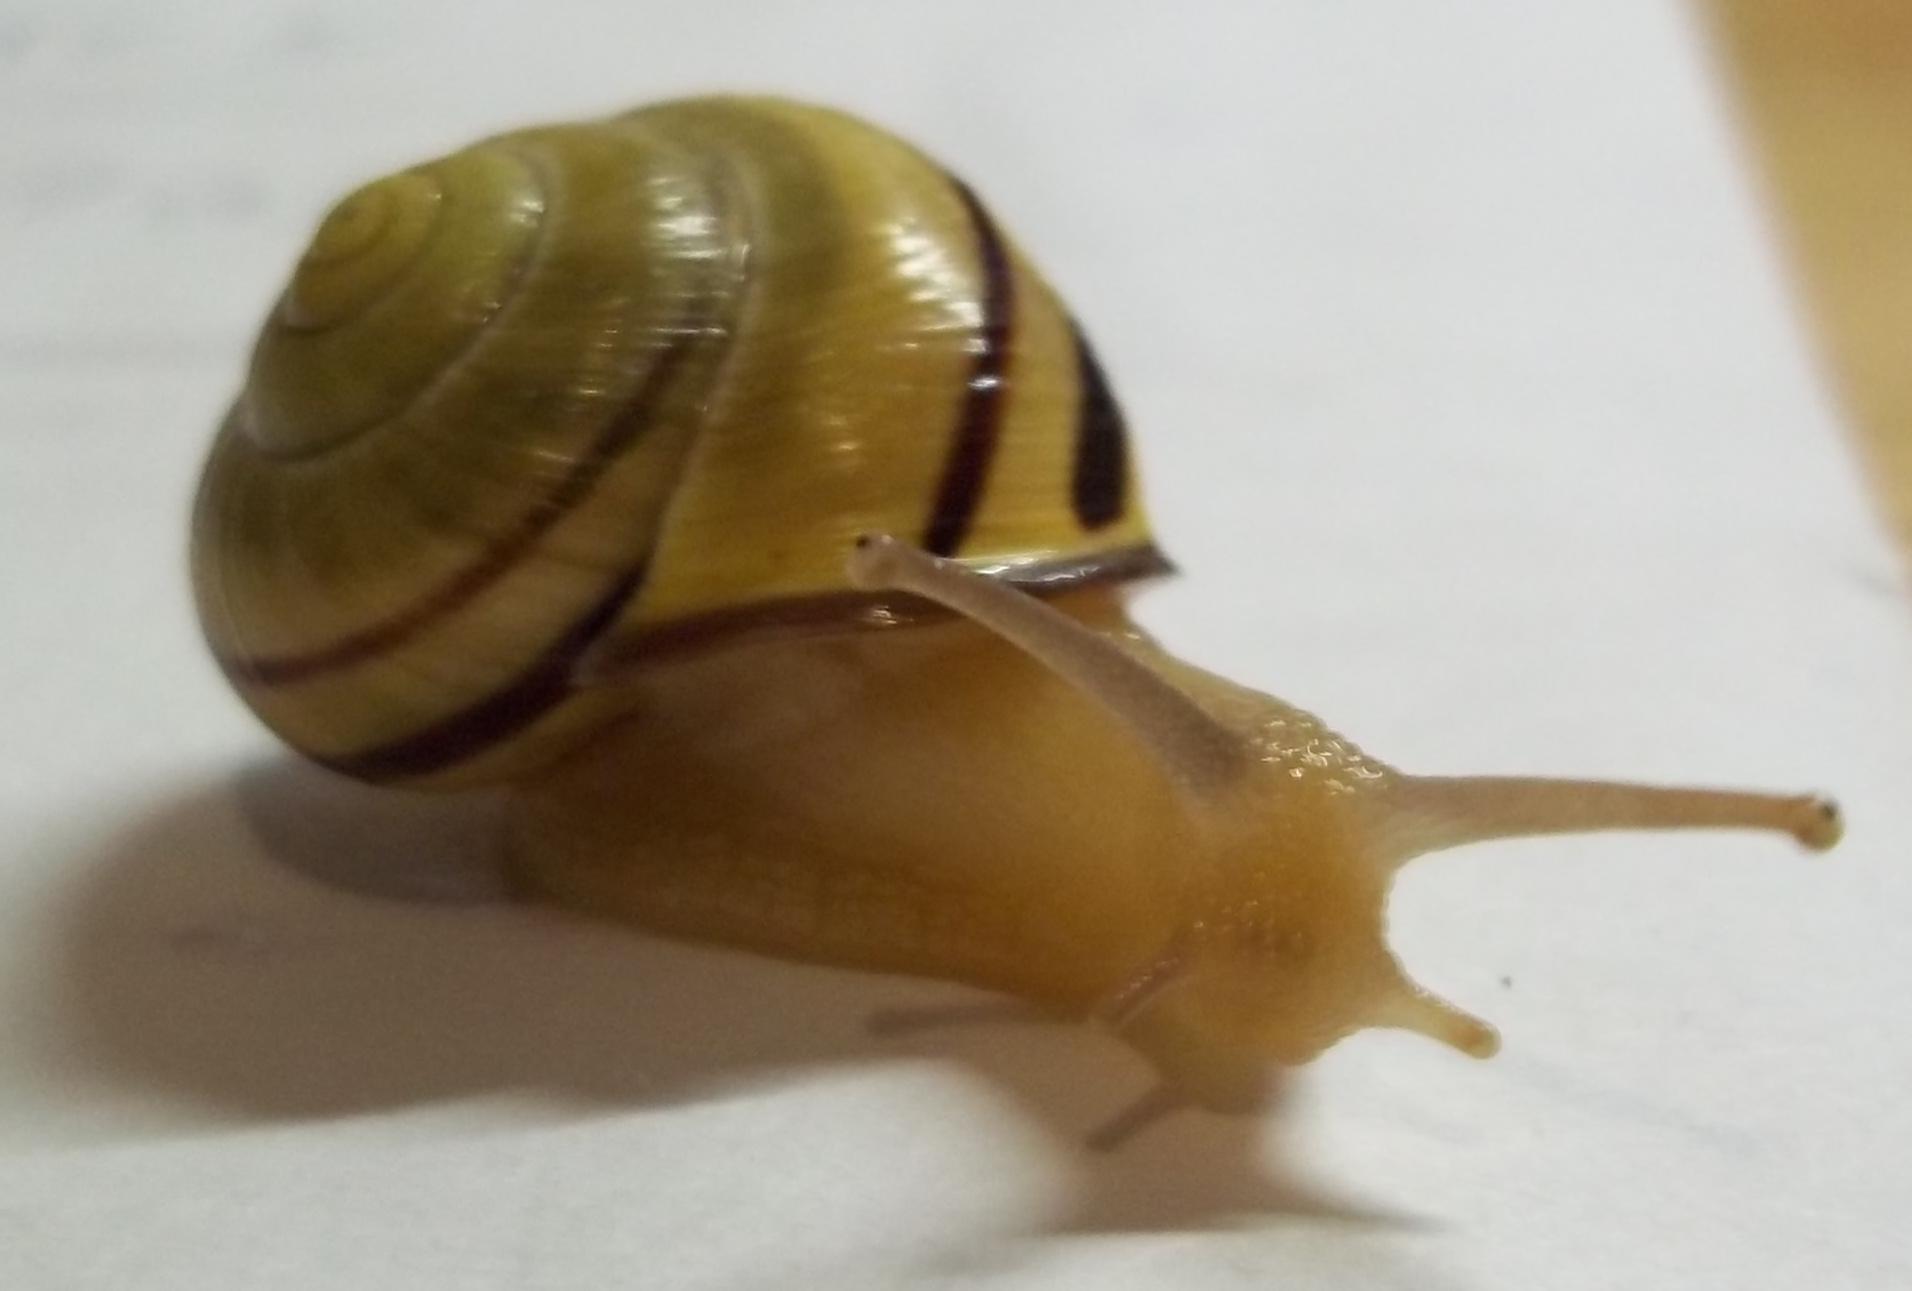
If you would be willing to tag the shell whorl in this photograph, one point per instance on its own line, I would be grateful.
(640, 379)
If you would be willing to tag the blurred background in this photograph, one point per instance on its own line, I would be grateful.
(1825, 99)
(1524, 387)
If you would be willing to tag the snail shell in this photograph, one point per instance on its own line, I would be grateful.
(600, 459)
(640, 379)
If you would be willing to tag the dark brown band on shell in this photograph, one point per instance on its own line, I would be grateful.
(545, 683)
(966, 469)
(826, 612)
(624, 428)
(579, 658)
(1099, 483)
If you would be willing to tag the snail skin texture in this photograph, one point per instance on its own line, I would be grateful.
(721, 481)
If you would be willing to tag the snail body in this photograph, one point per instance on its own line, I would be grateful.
(722, 481)
(931, 802)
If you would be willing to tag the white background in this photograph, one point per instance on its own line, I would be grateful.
(1470, 402)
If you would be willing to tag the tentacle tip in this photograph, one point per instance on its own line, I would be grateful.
(871, 564)
(1821, 824)
(1480, 1041)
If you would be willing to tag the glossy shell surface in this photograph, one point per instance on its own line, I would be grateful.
(632, 386)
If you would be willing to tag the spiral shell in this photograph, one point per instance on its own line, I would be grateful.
(642, 381)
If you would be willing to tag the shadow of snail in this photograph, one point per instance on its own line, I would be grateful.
(296, 947)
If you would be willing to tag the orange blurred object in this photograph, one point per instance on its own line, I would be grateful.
(1826, 89)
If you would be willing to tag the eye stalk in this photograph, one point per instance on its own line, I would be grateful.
(1198, 752)
(1275, 944)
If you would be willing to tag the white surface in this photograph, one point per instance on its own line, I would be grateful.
(1470, 402)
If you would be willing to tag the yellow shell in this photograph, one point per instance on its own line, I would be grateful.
(639, 380)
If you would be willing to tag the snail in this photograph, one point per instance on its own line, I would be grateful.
(722, 481)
